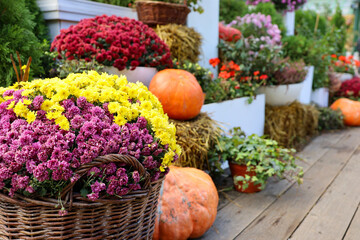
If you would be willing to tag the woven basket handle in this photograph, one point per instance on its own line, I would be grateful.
(115, 158)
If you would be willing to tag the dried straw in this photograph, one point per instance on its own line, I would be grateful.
(289, 125)
(195, 137)
(184, 42)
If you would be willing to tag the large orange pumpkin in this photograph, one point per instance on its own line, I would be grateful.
(179, 93)
(350, 110)
(187, 206)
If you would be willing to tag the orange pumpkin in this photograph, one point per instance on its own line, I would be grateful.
(350, 110)
(188, 205)
(229, 33)
(179, 93)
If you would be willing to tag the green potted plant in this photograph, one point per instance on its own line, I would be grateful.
(161, 12)
(254, 159)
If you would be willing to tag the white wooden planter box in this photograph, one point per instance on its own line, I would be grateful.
(239, 113)
(305, 94)
(289, 20)
(207, 24)
(320, 97)
(281, 95)
(60, 14)
(344, 76)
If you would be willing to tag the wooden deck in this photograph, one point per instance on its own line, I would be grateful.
(325, 206)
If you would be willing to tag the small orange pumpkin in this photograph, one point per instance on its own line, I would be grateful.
(350, 110)
(179, 93)
(188, 205)
(229, 33)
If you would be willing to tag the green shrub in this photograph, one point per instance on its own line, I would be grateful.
(40, 30)
(295, 47)
(338, 24)
(312, 51)
(122, 3)
(230, 9)
(330, 119)
(305, 24)
(16, 33)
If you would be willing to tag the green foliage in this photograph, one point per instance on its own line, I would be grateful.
(312, 51)
(223, 150)
(226, 89)
(316, 39)
(330, 119)
(295, 47)
(263, 155)
(40, 30)
(338, 20)
(338, 24)
(16, 33)
(216, 92)
(269, 9)
(230, 9)
(305, 24)
(122, 3)
(48, 60)
(65, 67)
(264, 61)
(315, 57)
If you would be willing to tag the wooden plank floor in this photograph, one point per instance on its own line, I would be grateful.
(325, 206)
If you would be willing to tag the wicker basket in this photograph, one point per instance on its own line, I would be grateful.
(155, 13)
(129, 217)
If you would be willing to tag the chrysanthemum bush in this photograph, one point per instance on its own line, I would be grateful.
(113, 41)
(350, 89)
(49, 128)
(259, 28)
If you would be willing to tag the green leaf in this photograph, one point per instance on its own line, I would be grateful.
(84, 192)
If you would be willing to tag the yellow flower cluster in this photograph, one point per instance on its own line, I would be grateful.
(99, 88)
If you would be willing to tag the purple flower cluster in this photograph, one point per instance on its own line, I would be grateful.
(287, 5)
(33, 154)
(260, 28)
(116, 180)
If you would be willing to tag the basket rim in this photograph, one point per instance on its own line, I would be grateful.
(178, 5)
(78, 201)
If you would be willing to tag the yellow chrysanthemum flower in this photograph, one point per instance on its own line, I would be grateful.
(11, 105)
(30, 117)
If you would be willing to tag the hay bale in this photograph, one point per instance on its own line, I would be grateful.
(184, 42)
(195, 137)
(289, 125)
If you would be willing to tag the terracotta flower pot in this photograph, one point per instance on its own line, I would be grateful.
(241, 170)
